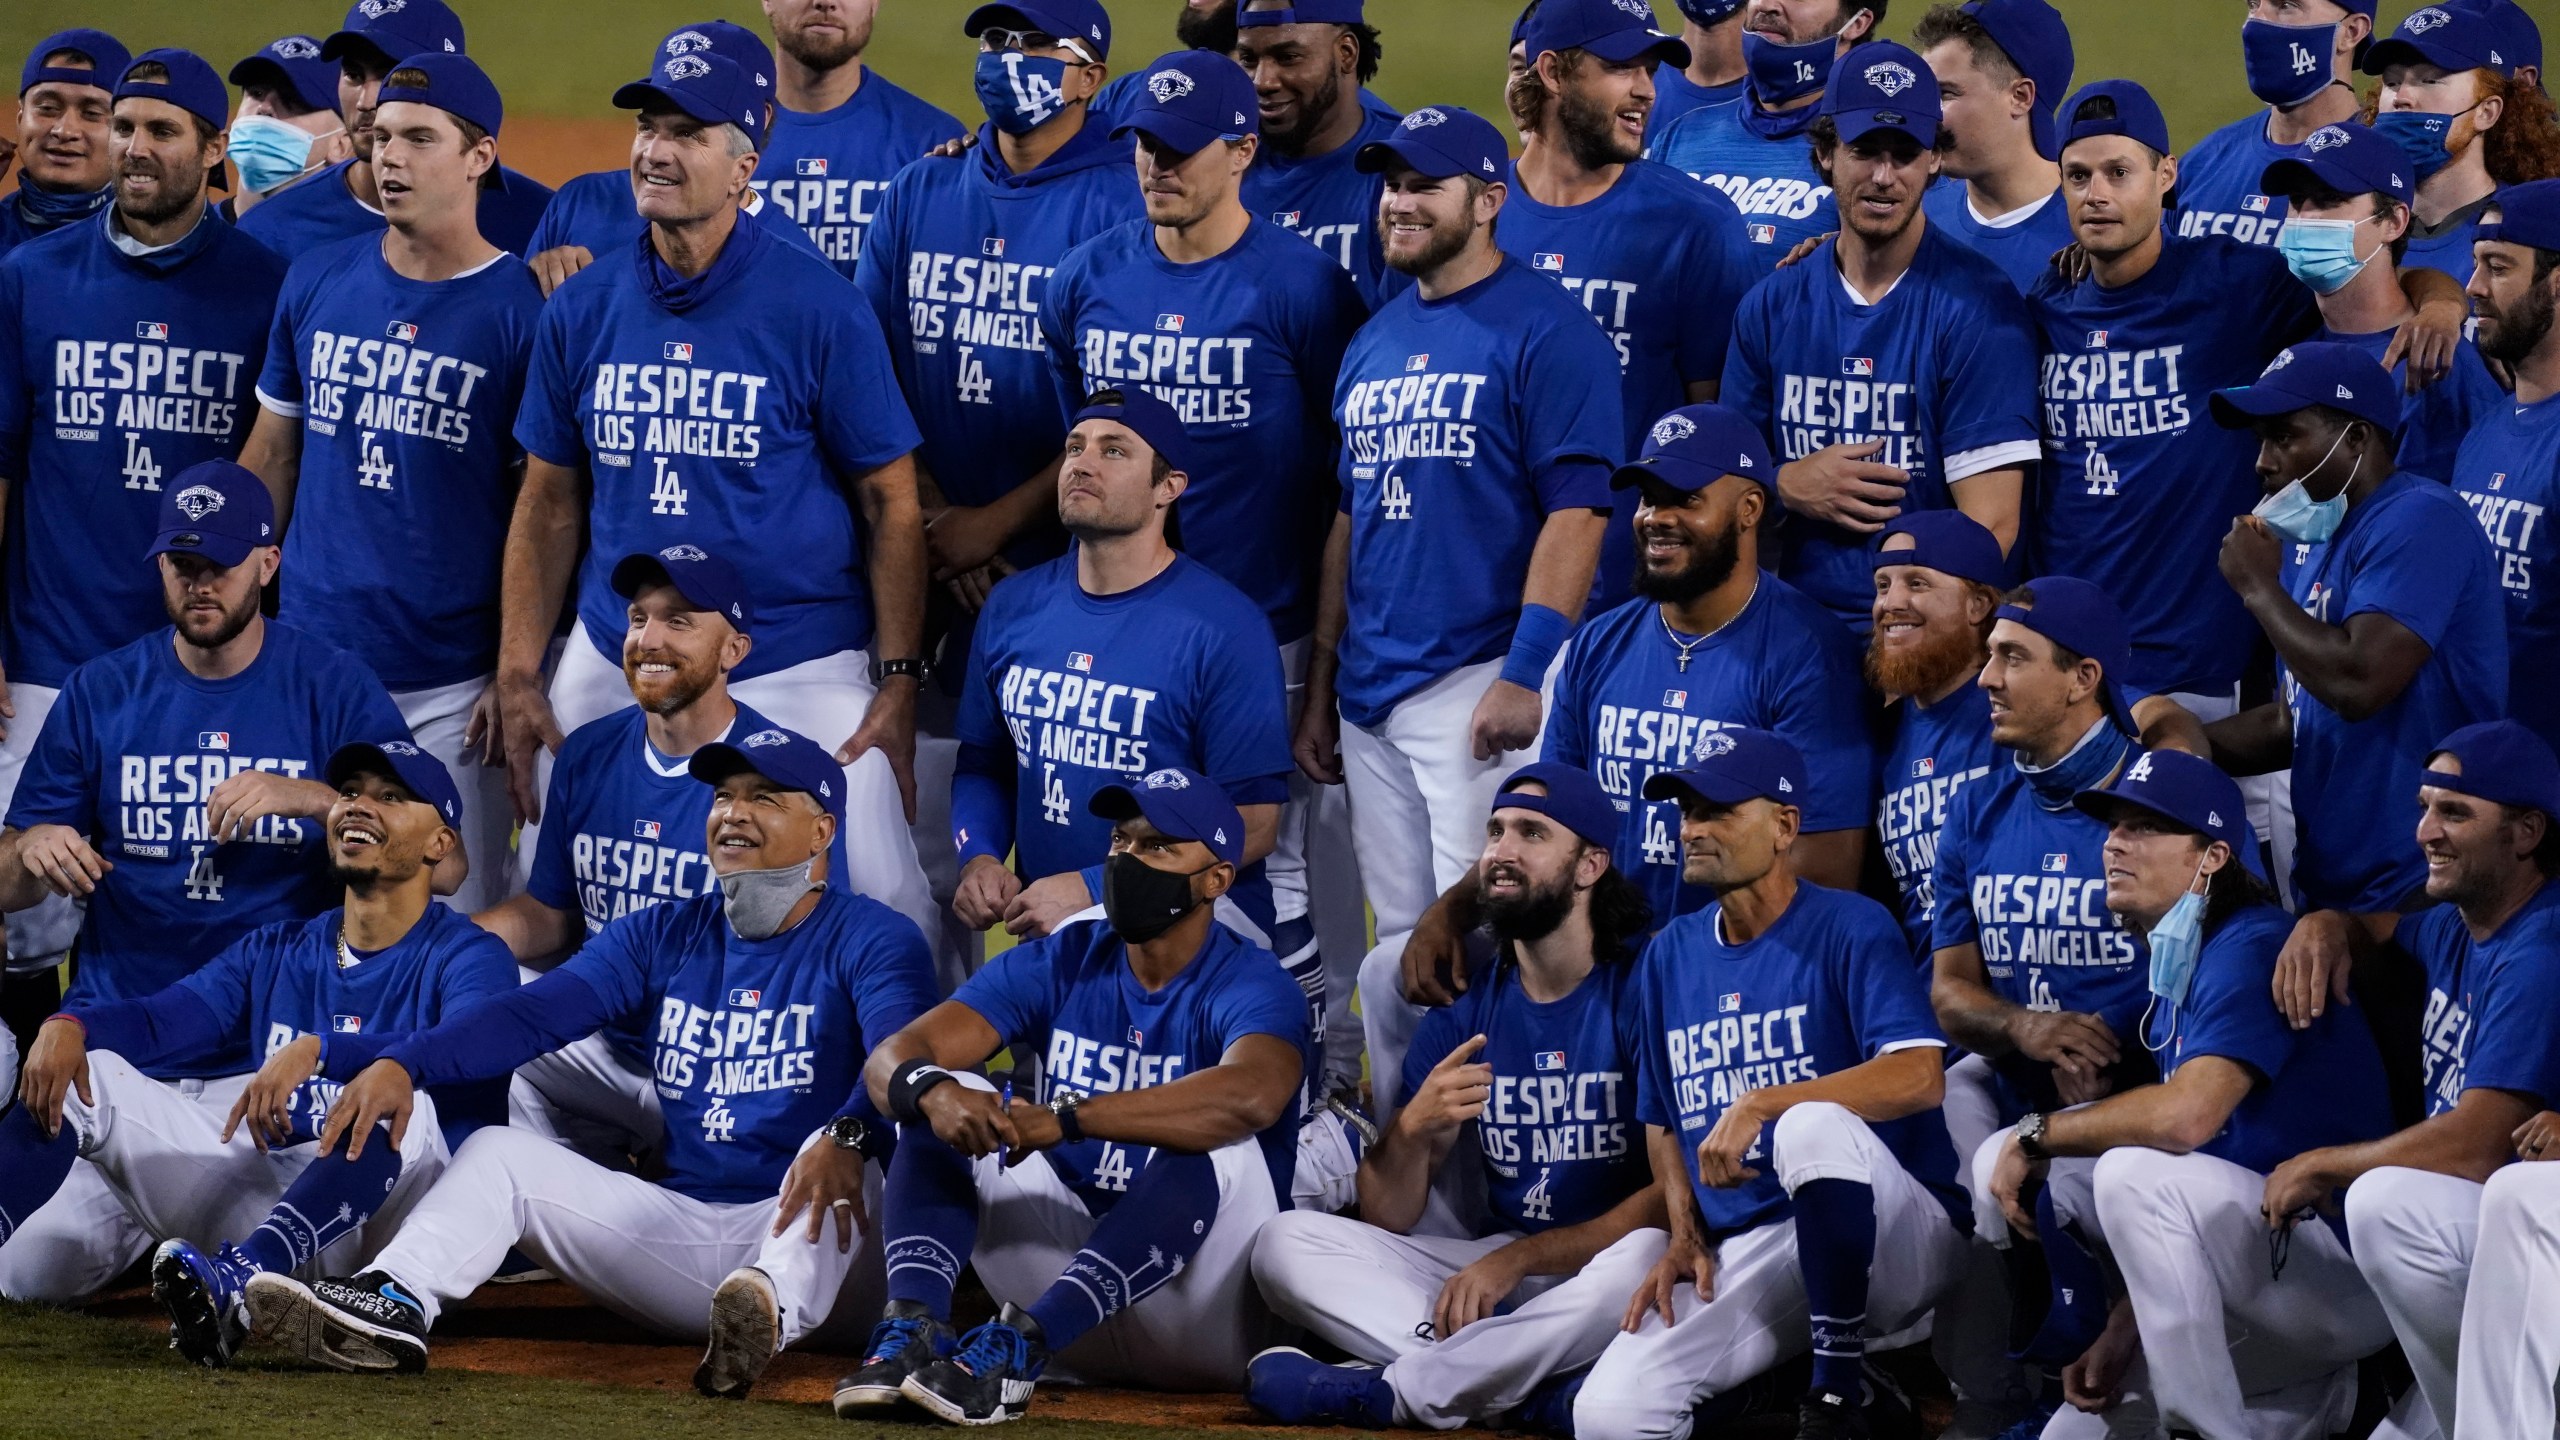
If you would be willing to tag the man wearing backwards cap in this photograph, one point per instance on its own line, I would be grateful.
(1474, 497)
(1112, 1214)
(1713, 74)
(409, 348)
(2167, 1177)
(1311, 63)
(287, 124)
(1562, 1182)
(349, 202)
(64, 98)
(2003, 67)
(675, 399)
(2508, 470)
(2454, 98)
(2303, 65)
(384, 958)
(2381, 599)
(237, 716)
(1934, 408)
(765, 996)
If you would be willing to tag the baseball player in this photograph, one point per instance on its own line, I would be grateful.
(674, 399)
(1525, 1090)
(2452, 100)
(1474, 496)
(1658, 262)
(393, 375)
(2171, 1174)
(1714, 74)
(1755, 148)
(118, 371)
(2508, 471)
(841, 129)
(1891, 368)
(65, 95)
(384, 958)
(1112, 1213)
(177, 790)
(763, 999)
(287, 125)
(2301, 57)
(1311, 63)
(2003, 67)
(599, 213)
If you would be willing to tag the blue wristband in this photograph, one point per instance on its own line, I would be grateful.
(1541, 633)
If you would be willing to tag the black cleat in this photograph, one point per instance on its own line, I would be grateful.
(364, 1324)
(1825, 1416)
(906, 1340)
(991, 1378)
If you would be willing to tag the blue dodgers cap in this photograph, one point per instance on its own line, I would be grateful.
(1082, 22)
(1883, 86)
(1947, 541)
(190, 84)
(1617, 31)
(2037, 40)
(1184, 804)
(705, 580)
(1696, 445)
(1573, 800)
(1710, 12)
(418, 772)
(292, 64)
(1440, 141)
(710, 88)
(106, 54)
(2185, 790)
(2347, 159)
(384, 30)
(1731, 766)
(1193, 99)
(215, 509)
(2503, 763)
(742, 46)
(2449, 37)
(1143, 411)
(2526, 214)
(2316, 372)
(790, 761)
(1301, 12)
(455, 84)
(2517, 31)
(2084, 620)
(2114, 107)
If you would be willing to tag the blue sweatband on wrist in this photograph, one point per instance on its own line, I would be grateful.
(1541, 633)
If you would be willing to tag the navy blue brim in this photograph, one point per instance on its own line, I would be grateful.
(2398, 50)
(1378, 156)
(1857, 125)
(1190, 137)
(222, 550)
(1672, 784)
(1630, 45)
(641, 94)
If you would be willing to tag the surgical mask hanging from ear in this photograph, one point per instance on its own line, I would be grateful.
(2295, 516)
(1021, 92)
(758, 901)
(2288, 64)
(2177, 941)
(269, 151)
(2421, 137)
(1780, 73)
(2322, 253)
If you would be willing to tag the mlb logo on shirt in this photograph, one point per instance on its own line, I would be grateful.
(645, 829)
(1547, 260)
(150, 330)
(992, 247)
(679, 351)
(1729, 1003)
(2498, 481)
(2254, 204)
(1287, 219)
(346, 1024)
(2097, 339)
(810, 165)
(213, 739)
(2056, 864)
(1171, 324)
(1137, 1037)
(1415, 363)
(1080, 662)
(1675, 699)
(746, 999)
(1924, 767)
(1548, 1060)
(1857, 365)
(1762, 234)
(403, 331)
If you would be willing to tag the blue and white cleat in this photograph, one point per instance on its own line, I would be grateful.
(1296, 1388)
(208, 1319)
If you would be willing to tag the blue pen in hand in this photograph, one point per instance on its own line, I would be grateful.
(1004, 1152)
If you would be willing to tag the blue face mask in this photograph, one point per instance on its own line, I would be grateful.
(2322, 253)
(2420, 136)
(2176, 942)
(2288, 64)
(1780, 73)
(2295, 516)
(269, 152)
(1021, 92)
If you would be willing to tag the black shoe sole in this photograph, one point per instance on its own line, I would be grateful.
(951, 1412)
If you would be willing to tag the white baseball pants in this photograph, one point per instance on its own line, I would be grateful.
(2415, 1232)
(2510, 1338)
(1419, 796)
(438, 718)
(39, 934)
(1313, 874)
(79, 1241)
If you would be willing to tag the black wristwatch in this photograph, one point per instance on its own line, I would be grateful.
(915, 670)
(2031, 1128)
(848, 1132)
(1063, 1105)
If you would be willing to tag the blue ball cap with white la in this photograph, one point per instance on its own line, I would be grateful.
(1439, 141)
(788, 760)
(1731, 766)
(1947, 541)
(2452, 38)
(185, 80)
(2038, 42)
(106, 55)
(292, 64)
(1618, 31)
(1192, 99)
(2114, 107)
(743, 47)
(381, 31)
(2526, 214)
(1144, 413)
(2084, 620)
(1183, 804)
(711, 88)
(706, 581)
(2187, 791)
(2502, 762)
(418, 772)
(2346, 160)
(2343, 377)
(1573, 799)
(454, 84)
(215, 509)
(1251, 15)
(1082, 23)
(1696, 445)
(1883, 87)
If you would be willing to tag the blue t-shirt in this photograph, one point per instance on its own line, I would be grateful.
(2449, 249)
(2023, 250)
(2492, 1005)
(1623, 708)
(1559, 1142)
(1073, 998)
(1762, 162)
(2508, 472)
(1660, 263)
(320, 210)
(725, 424)
(827, 169)
(117, 372)
(596, 213)
(2218, 191)
(1937, 750)
(1944, 364)
(407, 393)
(2411, 551)
(1245, 347)
(2139, 484)
(1324, 199)
(1465, 422)
(959, 256)
(1823, 990)
(2435, 421)
(1675, 95)
(132, 750)
(2315, 1087)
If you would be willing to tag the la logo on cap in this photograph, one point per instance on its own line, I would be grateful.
(1716, 746)
(1892, 77)
(683, 552)
(1424, 119)
(767, 737)
(1672, 429)
(1169, 85)
(197, 501)
(2328, 137)
(687, 67)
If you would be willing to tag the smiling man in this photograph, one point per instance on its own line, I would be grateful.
(60, 135)
(841, 129)
(1311, 63)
